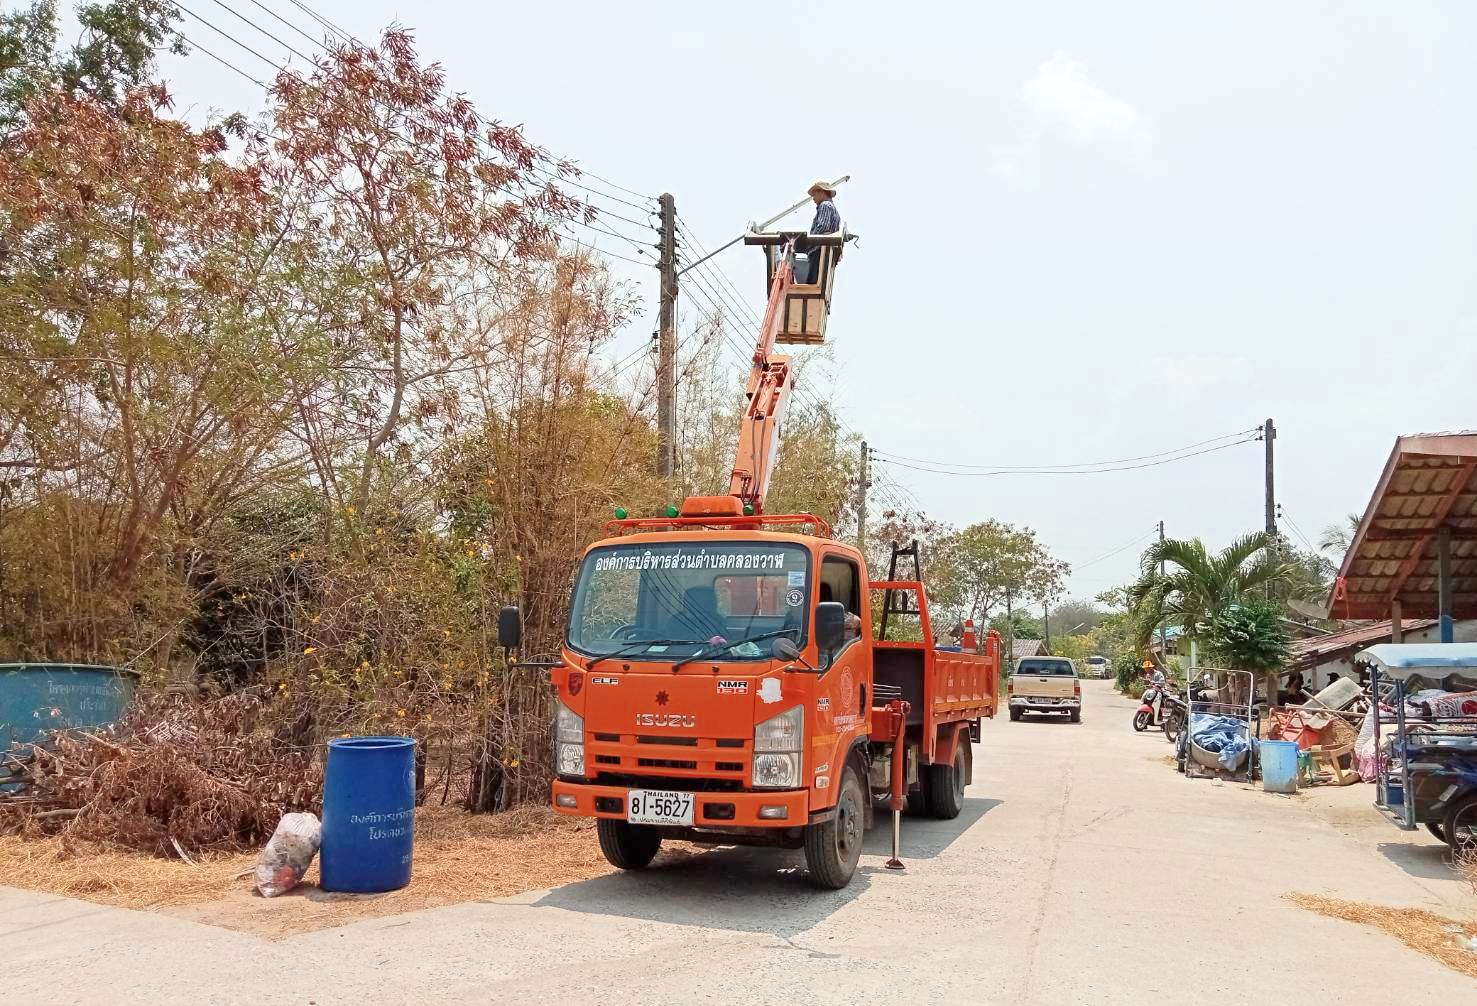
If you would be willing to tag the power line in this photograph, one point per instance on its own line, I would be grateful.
(1121, 548)
(583, 172)
(1297, 530)
(242, 17)
(1082, 464)
(1082, 471)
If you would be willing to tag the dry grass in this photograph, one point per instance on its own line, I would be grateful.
(1422, 931)
(1466, 866)
(459, 857)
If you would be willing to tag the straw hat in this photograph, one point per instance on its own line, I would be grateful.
(825, 187)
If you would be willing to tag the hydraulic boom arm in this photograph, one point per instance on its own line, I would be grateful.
(768, 395)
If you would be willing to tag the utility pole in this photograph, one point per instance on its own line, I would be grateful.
(1269, 434)
(666, 356)
(1009, 635)
(1046, 624)
(864, 482)
(1163, 638)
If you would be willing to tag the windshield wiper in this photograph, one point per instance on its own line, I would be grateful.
(718, 648)
(638, 644)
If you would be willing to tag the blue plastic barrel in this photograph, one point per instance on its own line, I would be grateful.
(36, 698)
(1279, 766)
(368, 814)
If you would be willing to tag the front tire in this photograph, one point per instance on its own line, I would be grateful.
(628, 846)
(1172, 727)
(946, 786)
(833, 848)
(1015, 715)
(1140, 721)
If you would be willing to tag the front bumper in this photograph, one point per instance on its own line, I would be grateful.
(710, 810)
(1046, 705)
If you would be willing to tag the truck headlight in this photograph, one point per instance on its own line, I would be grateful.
(778, 745)
(569, 741)
(777, 771)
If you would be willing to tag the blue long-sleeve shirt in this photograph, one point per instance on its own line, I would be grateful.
(827, 219)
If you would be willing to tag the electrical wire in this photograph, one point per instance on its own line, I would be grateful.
(1121, 548)
(1057, 471)
(1083, 464)
(1296, 530)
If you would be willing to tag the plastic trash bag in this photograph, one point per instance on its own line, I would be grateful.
(288, 854)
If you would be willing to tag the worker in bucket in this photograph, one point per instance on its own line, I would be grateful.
(827, 221)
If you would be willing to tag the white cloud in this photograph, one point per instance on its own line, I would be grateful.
(1064, 107)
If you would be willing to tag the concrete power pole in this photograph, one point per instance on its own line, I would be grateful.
(1163, 638)
(1269, 434)
(666, 360)
(1009, 635)
(864, 482)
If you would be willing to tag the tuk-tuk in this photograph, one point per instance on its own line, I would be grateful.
(1426, 771)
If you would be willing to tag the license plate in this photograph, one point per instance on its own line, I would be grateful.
(658, 806)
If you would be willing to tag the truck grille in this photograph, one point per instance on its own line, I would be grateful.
(685, 762)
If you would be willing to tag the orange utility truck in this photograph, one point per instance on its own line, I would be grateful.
(721, 681)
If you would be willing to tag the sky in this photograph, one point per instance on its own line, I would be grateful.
(1089, 231)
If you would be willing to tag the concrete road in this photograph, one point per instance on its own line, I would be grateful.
(1083, 870)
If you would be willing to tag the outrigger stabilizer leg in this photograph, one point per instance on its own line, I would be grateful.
(898, 710)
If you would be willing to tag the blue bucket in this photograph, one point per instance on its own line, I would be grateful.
(36, 698)
(368, 814)
(1279, 766)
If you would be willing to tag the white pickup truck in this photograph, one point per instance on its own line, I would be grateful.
(1045, 685)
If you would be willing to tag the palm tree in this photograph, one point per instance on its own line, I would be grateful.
(1336, 538)
(1197, 586)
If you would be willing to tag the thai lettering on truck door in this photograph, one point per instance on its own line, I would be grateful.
(842, 699)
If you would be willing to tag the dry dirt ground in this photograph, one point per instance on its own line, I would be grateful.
(1083, 870)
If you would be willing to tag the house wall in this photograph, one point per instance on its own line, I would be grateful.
(1463, 632)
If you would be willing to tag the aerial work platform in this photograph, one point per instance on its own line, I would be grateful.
(807, 305)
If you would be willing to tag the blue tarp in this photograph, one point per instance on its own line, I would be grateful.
(1225, 736)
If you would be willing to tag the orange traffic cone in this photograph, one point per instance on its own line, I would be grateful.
(969, 644)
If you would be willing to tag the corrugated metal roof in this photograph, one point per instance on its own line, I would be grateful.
(1308, 653)
(1026, 648)
(1429, 482)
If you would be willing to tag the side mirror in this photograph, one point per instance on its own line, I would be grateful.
(509, 627)
(830, 625)
(784, 648)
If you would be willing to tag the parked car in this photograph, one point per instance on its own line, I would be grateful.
(1099, 667)
(1045, 685)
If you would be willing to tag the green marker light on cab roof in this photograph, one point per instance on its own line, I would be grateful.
(672, 510)
(620, 513)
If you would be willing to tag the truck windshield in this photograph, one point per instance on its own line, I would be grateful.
(685, 597)
(1045, 667)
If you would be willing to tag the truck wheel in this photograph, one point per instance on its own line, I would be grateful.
(946, 786)
(1015, 715)
(834, 847)
(628, 846)
(1075, 715)
(918, 800)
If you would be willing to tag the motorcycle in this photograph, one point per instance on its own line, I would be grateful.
(1151, 705)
